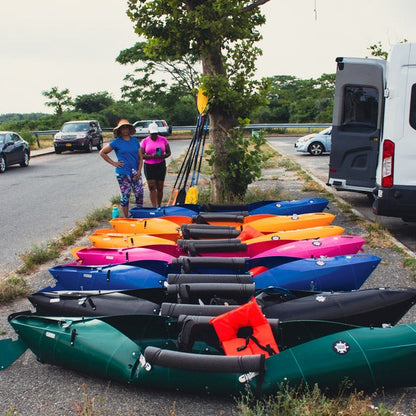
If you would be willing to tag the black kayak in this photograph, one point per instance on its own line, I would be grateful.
(366, 307)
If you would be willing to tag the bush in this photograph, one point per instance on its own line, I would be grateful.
(29, 137)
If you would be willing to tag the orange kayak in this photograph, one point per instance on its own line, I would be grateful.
(169, 227)
(117, 240)
(302, 234)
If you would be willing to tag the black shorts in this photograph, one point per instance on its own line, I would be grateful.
(156, 171)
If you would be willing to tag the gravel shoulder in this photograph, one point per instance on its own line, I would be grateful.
(39, 389)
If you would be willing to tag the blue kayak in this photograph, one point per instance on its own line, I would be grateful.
(340, 273)
(296, 206)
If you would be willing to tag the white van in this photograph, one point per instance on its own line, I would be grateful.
(374, 130)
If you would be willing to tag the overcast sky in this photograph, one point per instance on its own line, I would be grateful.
(73, 44)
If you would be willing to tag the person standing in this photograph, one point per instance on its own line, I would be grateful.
(129, 163)
(154, 150)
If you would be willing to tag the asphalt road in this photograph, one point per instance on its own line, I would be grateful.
(45, 200)
(317, 166)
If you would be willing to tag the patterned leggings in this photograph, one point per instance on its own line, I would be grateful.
(128, 184)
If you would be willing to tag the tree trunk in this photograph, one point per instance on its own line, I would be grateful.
(218, 132)
(220, 124)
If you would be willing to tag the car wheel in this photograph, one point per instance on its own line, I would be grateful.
(2, 164)
(58, 151)
(88, 147)
(316, 149)
(25, 162)
(100, 144)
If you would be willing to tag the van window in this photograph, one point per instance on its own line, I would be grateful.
(412, 115)
(360, 112)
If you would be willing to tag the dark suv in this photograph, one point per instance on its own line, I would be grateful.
(79, 135)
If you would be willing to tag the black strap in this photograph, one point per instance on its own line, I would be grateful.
(266, 348)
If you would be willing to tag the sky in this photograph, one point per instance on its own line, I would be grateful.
(73, 44)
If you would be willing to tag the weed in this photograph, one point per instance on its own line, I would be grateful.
(305, 402)
(12, 412)
(377, 236)
(288, 165)
(90, 406)
(13, 288)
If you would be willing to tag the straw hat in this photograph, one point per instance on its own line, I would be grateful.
(123, 122)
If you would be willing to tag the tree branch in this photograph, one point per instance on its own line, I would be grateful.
(253, 5)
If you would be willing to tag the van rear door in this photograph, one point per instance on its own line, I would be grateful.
(396, 174)
(356, 123)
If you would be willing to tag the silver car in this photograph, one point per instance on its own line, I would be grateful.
(142, 128)
(316, 144)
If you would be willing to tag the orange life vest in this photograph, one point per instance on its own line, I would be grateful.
(245, 331)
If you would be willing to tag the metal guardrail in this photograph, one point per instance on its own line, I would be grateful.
(253, 127)
(265, 126)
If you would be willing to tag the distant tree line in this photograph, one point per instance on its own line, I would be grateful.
(290, 100)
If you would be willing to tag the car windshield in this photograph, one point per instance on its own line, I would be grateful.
(142, 124)
(2, 138)
(74, 127)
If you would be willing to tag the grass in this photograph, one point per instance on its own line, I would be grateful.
(15, 285)
(301, 402)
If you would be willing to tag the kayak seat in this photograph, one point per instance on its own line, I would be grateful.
(212, 207)
(190, 264)
(245, 331)
(196, 328)
(207, 231)
(196, 247)
(206, 218)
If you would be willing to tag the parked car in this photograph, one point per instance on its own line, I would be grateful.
(142, 128)
(79, 135)
(316, 143)
(13, 150)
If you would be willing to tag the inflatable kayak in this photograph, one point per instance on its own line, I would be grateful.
(367, 307)
(299, 206)
(324, 274)
(327, 246)
(108, 239)
(169, 228)
(159, 352)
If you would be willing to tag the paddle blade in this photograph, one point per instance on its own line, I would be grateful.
(192, 195)
(202, 101)
(174, 197)
(170, 196)
(180, 199)
(10, 351)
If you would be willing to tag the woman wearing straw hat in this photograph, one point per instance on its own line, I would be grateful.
(154, 150)
(128, 165)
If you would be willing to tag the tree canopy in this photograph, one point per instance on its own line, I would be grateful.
(221, 34)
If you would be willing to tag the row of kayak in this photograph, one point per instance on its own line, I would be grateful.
(221, 302)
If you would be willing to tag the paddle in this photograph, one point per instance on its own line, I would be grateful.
(179, 178)
(192, 194)
(180, 198)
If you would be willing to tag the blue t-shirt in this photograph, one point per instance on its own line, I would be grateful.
(128, 152)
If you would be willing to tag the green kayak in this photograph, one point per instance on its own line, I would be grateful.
(187, 353)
